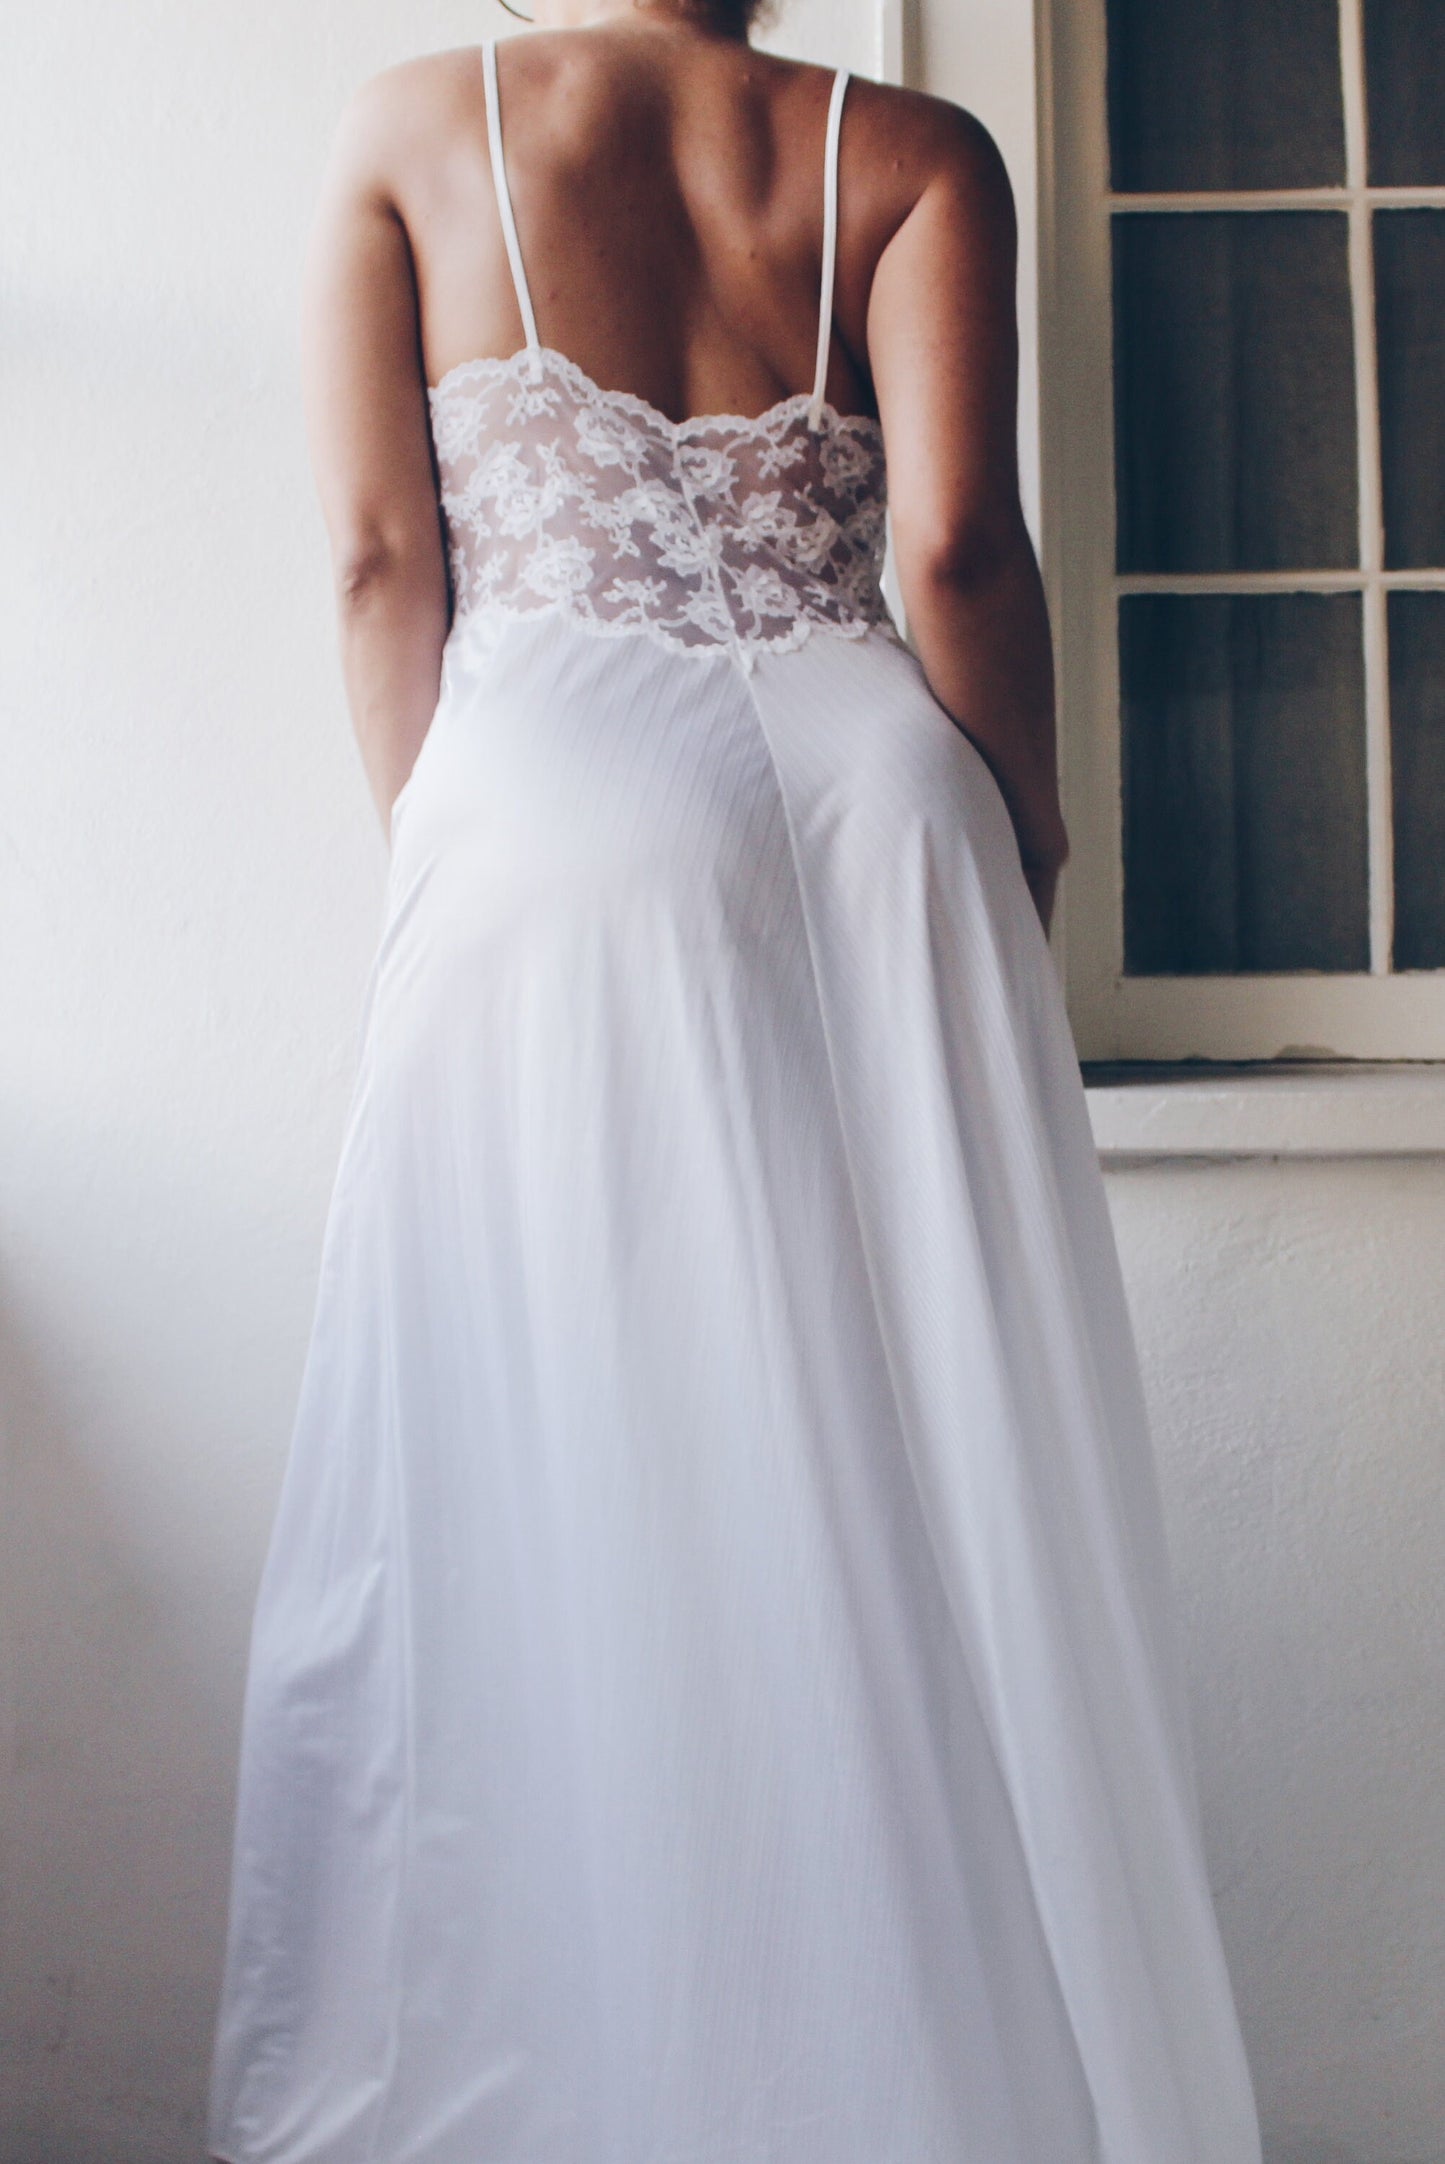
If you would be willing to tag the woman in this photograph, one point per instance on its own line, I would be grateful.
(713, 1693)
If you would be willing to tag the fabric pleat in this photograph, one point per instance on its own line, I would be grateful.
(714, 1693)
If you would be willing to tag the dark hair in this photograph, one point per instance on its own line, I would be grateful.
(735, 16)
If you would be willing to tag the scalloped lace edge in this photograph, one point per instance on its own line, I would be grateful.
(487, 367)
(737, 649)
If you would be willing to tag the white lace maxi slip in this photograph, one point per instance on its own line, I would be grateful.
(713, 1696)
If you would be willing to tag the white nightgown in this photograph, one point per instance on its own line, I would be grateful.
(713, 1695)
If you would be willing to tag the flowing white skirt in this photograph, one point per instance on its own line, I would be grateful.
(714, 1696)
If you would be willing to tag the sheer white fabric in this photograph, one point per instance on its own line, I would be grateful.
(720, 531)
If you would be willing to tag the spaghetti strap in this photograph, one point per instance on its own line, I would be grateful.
(830, 245)
(504, 195)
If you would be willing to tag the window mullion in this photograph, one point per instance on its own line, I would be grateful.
(1372, 529)
(1331, 198)
(1273, 582)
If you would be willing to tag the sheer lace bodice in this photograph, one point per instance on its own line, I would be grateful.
(717, 531)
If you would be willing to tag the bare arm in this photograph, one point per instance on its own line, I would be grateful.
(943, 347)
(371, 451)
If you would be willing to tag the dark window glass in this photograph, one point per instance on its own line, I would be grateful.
(1405, 92)
(1225, 94)
(1417, 757)
(1410, 315)
(1245, 844)
(1234, 392)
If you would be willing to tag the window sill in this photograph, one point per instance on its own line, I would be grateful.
(1144, 1114)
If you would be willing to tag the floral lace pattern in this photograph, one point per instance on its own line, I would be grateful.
(717, 531)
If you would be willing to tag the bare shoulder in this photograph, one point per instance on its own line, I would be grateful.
(577, 84)
(908, 149)
(400, 114)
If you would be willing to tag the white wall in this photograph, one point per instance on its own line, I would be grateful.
(1291, 1320)
(190, 886)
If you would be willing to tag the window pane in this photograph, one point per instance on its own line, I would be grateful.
(1409, 282)
(1417, 731)
(1405, 90)
(1225, 94)
(1243, 783)
(1234, 392)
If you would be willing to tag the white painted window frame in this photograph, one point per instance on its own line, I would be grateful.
(1379, 1016)
(996, 57)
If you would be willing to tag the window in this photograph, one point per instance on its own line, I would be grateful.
(1243, 287)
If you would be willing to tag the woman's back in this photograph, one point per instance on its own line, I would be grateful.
(668, 184)
(669, 204)
(564, 497)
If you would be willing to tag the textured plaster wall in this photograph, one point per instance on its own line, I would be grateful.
(1291, 1322)
(190, 885)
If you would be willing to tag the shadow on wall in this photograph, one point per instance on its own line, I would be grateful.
(115, 1789)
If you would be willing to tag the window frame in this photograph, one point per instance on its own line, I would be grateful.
(1381, 1015)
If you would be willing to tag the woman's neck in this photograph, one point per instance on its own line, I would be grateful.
(636, 14)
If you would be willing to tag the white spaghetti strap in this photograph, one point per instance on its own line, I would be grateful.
(830, 245)
(504, 195)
